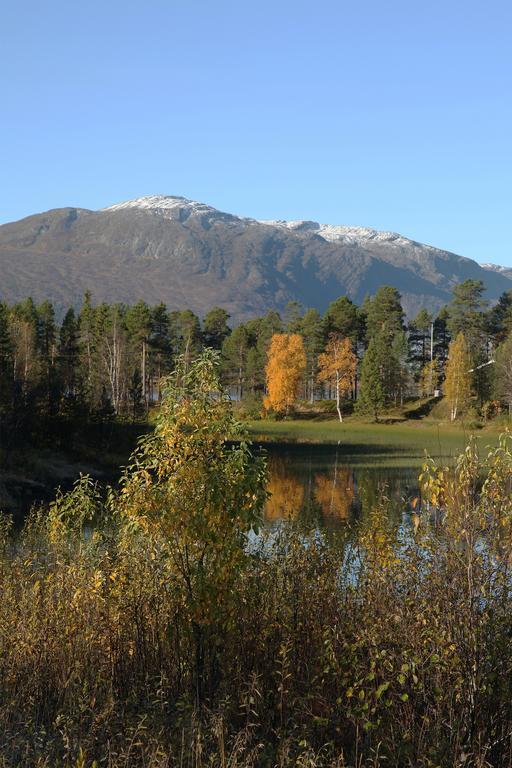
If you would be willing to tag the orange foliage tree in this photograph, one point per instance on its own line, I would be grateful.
(337, 366)
(285, 368)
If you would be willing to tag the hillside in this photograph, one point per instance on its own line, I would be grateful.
(187, 254)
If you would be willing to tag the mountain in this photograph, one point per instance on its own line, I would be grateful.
(187, 254)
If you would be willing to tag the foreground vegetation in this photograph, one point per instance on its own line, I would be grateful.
(150, 627)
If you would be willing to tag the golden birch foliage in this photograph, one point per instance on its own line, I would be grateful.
(457, 386)
(338, 363)
(337, 366)
(285, 368)
(429, 379)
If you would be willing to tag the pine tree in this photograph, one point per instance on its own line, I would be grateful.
(234, 359)
(466, 312)
(442, 337)
(400, 377)
(293, 317)
(342, 317)
(215, 328)
(47, 348)
(160, 347)
(185, 334)
(87, 350)
(500, 317)
(503, 373)
(138, 327)
(384, 313)
(312, 331)
(419, 339)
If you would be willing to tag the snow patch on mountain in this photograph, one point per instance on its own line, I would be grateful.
(181, 208)
(172, 207)
(337, 232)
(495, 267)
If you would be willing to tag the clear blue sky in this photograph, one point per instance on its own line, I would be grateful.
(395, 114)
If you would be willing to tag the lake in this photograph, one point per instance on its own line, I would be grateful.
(323, 487)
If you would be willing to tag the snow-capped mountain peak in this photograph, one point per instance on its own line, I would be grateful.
(168, 206)
(181, 208)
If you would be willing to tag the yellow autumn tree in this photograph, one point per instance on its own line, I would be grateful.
(429, 379)
(457, 385)
(285, 368)
(337, 367)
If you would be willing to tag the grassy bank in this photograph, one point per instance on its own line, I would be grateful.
(404, 439)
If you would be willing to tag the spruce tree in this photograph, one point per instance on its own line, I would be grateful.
(375, 371)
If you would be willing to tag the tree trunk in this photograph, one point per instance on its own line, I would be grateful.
(338, 396)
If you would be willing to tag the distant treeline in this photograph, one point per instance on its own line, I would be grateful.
(108, 360)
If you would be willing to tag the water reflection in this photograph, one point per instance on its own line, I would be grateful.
(323, 488)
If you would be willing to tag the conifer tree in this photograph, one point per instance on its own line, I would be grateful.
(342, 317)
(160, 345)
(312, 331)
(466, 312)
(138, 328)
(87, 339)
(68, 355)
(503, 373)
(234, 359)
(215, 327)
(384, 313)
(6, 360)
(293, 317)
(419, 339)
(185, 334)
(375, 372)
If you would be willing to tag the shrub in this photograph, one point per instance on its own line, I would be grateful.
(148, 627)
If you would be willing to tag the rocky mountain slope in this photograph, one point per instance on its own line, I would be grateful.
(187, 254)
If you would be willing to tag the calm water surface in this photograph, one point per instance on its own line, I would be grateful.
(323, 487)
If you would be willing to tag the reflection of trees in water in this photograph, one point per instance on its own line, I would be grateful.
(335, 492)
(321, 492)
(392, 487)
(287, 491)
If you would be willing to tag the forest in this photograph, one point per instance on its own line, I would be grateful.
(105, 362)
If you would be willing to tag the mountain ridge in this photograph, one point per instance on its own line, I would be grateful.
(188, 254)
